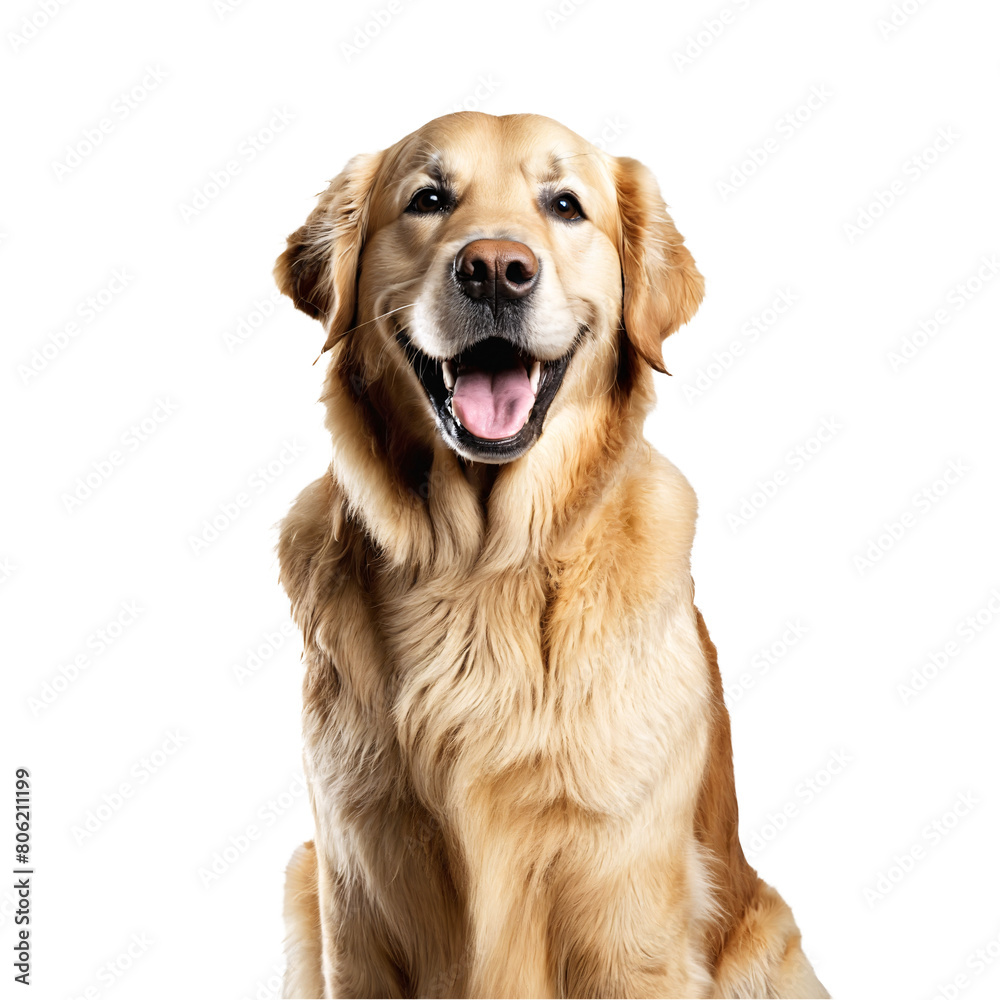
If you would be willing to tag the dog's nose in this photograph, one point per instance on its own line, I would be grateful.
(496, 270)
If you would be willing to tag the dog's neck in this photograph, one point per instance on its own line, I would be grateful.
(422, 505)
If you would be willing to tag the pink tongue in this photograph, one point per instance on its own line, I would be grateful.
(493, 405)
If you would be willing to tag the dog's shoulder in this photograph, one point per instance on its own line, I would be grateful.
(675, 495)
(315, 549)
(658, 506)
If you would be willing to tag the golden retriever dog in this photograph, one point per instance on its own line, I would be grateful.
(518, 755)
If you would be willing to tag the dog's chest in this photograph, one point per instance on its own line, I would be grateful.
(497, 675)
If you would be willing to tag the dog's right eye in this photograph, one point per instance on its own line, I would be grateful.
(566, 207)
(428, 200)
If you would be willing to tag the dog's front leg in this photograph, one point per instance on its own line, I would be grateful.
(392, 924)
(509, 955)
(357, 959)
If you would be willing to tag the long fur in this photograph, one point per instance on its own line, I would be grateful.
(517, 749)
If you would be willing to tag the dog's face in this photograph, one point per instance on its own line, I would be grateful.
(497, 261)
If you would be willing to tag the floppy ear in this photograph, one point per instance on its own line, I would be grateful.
(319, 269)
(662, 287)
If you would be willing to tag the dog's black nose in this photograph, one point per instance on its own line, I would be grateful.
(496, 270)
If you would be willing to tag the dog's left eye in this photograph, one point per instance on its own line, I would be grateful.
(566, 207)
(428, 200)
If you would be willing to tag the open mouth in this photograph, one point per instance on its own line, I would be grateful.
(490, 401)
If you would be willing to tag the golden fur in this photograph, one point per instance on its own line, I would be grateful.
(516, 744)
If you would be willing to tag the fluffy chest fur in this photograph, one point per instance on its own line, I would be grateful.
(582, 670)
(512, 670)
(510, 740)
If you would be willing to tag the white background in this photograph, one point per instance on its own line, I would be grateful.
(859, 771)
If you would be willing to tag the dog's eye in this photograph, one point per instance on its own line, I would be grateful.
(428, 200)
(566, 207)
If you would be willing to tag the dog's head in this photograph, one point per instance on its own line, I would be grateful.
(504, 262)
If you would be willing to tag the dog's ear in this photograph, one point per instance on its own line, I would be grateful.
(319, 269)
(662, 287)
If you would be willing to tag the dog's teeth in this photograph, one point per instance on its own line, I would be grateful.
(449, 375)
(534, 375)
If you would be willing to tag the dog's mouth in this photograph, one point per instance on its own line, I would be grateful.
(490, 400)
